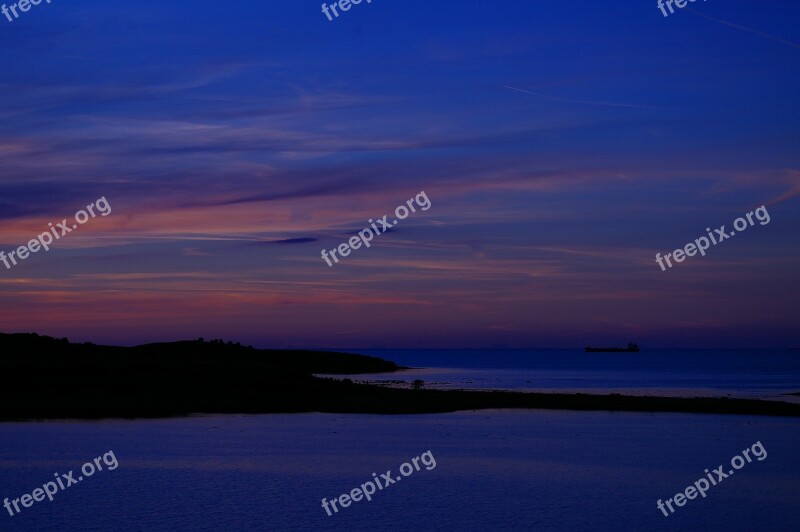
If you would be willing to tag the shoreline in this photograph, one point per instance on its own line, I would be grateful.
(52, 379)
(366, 399)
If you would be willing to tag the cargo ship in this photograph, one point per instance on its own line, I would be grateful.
(633, 347)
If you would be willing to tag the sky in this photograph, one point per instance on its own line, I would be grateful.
(561, 144)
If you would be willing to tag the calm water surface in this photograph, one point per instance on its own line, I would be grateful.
(496, 470)
(763, 374)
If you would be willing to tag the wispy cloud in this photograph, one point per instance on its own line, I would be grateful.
(587, 102)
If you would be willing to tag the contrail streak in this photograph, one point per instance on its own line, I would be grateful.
(745, 28)
(607, 104)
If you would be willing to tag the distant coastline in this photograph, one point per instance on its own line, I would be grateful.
(631, 348)
(48, 378)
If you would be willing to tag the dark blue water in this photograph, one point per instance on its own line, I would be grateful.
(495, 470)
(745, 361)
(767, 374)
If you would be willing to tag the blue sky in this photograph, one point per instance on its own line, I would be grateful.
(562, 145)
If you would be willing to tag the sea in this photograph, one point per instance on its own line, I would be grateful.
(487, 470)
(756, 374)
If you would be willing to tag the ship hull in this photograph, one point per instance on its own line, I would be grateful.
(610, 350)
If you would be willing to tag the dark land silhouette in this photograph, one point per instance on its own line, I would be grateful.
(632, 347)
(48, 378)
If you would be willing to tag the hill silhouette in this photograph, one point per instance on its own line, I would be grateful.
(31, 351)
(49, 378)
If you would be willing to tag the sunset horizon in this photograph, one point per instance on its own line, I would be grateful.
(289, 252)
